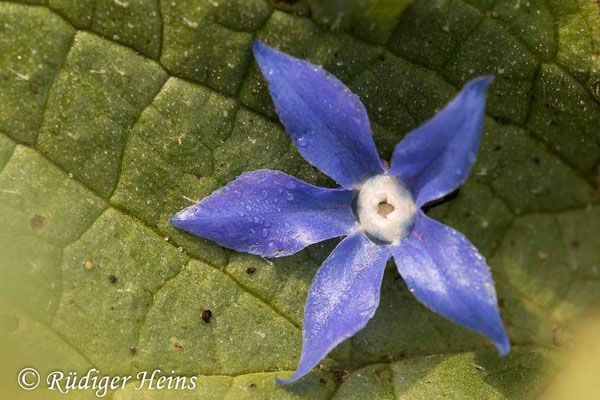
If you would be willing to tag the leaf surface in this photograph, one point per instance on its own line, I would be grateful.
(116, 114)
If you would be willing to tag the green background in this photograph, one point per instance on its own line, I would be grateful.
(116, 114)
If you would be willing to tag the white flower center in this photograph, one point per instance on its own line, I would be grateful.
(386, 209)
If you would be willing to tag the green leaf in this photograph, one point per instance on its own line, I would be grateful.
(116, 114)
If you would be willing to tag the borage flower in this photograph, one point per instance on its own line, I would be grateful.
(272, 214)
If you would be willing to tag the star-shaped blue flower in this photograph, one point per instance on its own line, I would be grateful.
(272, 214)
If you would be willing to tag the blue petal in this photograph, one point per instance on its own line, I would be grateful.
(436, 158)
(269, 213)
(342, 299)
(326, 121)
(447, 274)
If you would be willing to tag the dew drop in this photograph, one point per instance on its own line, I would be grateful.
(302, 142)
(289, 196)
(265, 232)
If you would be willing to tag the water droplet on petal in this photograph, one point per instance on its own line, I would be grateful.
(289, 196)
(302, 142)
(265, 232)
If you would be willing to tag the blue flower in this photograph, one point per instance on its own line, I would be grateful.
(377, 209)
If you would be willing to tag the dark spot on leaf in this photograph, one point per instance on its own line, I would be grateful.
(133, 350)
(575, 243)
(199, 176)
(177, 345)
(206, 316)
(322, 381)
(501, 120)
(501, 302)
(497, 147)
(38, 222)
(536, 160)
(378, 371)
(253, 385)
(250, 270)
(112, 278)
(340, 375)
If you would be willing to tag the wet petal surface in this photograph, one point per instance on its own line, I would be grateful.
(342, 299)
(447, 274)
(436, 158)
(269, 213)
(327, 122)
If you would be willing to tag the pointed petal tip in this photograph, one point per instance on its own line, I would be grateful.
(484, 80)
(179, 219)
(258, 46)
(288, 381)
(175, 221)
(503, 346)
(261, 50)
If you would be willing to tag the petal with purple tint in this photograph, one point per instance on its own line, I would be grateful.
(342, 298)
(447, 274)
(436, 158)
(327, 122)
(269, 213)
